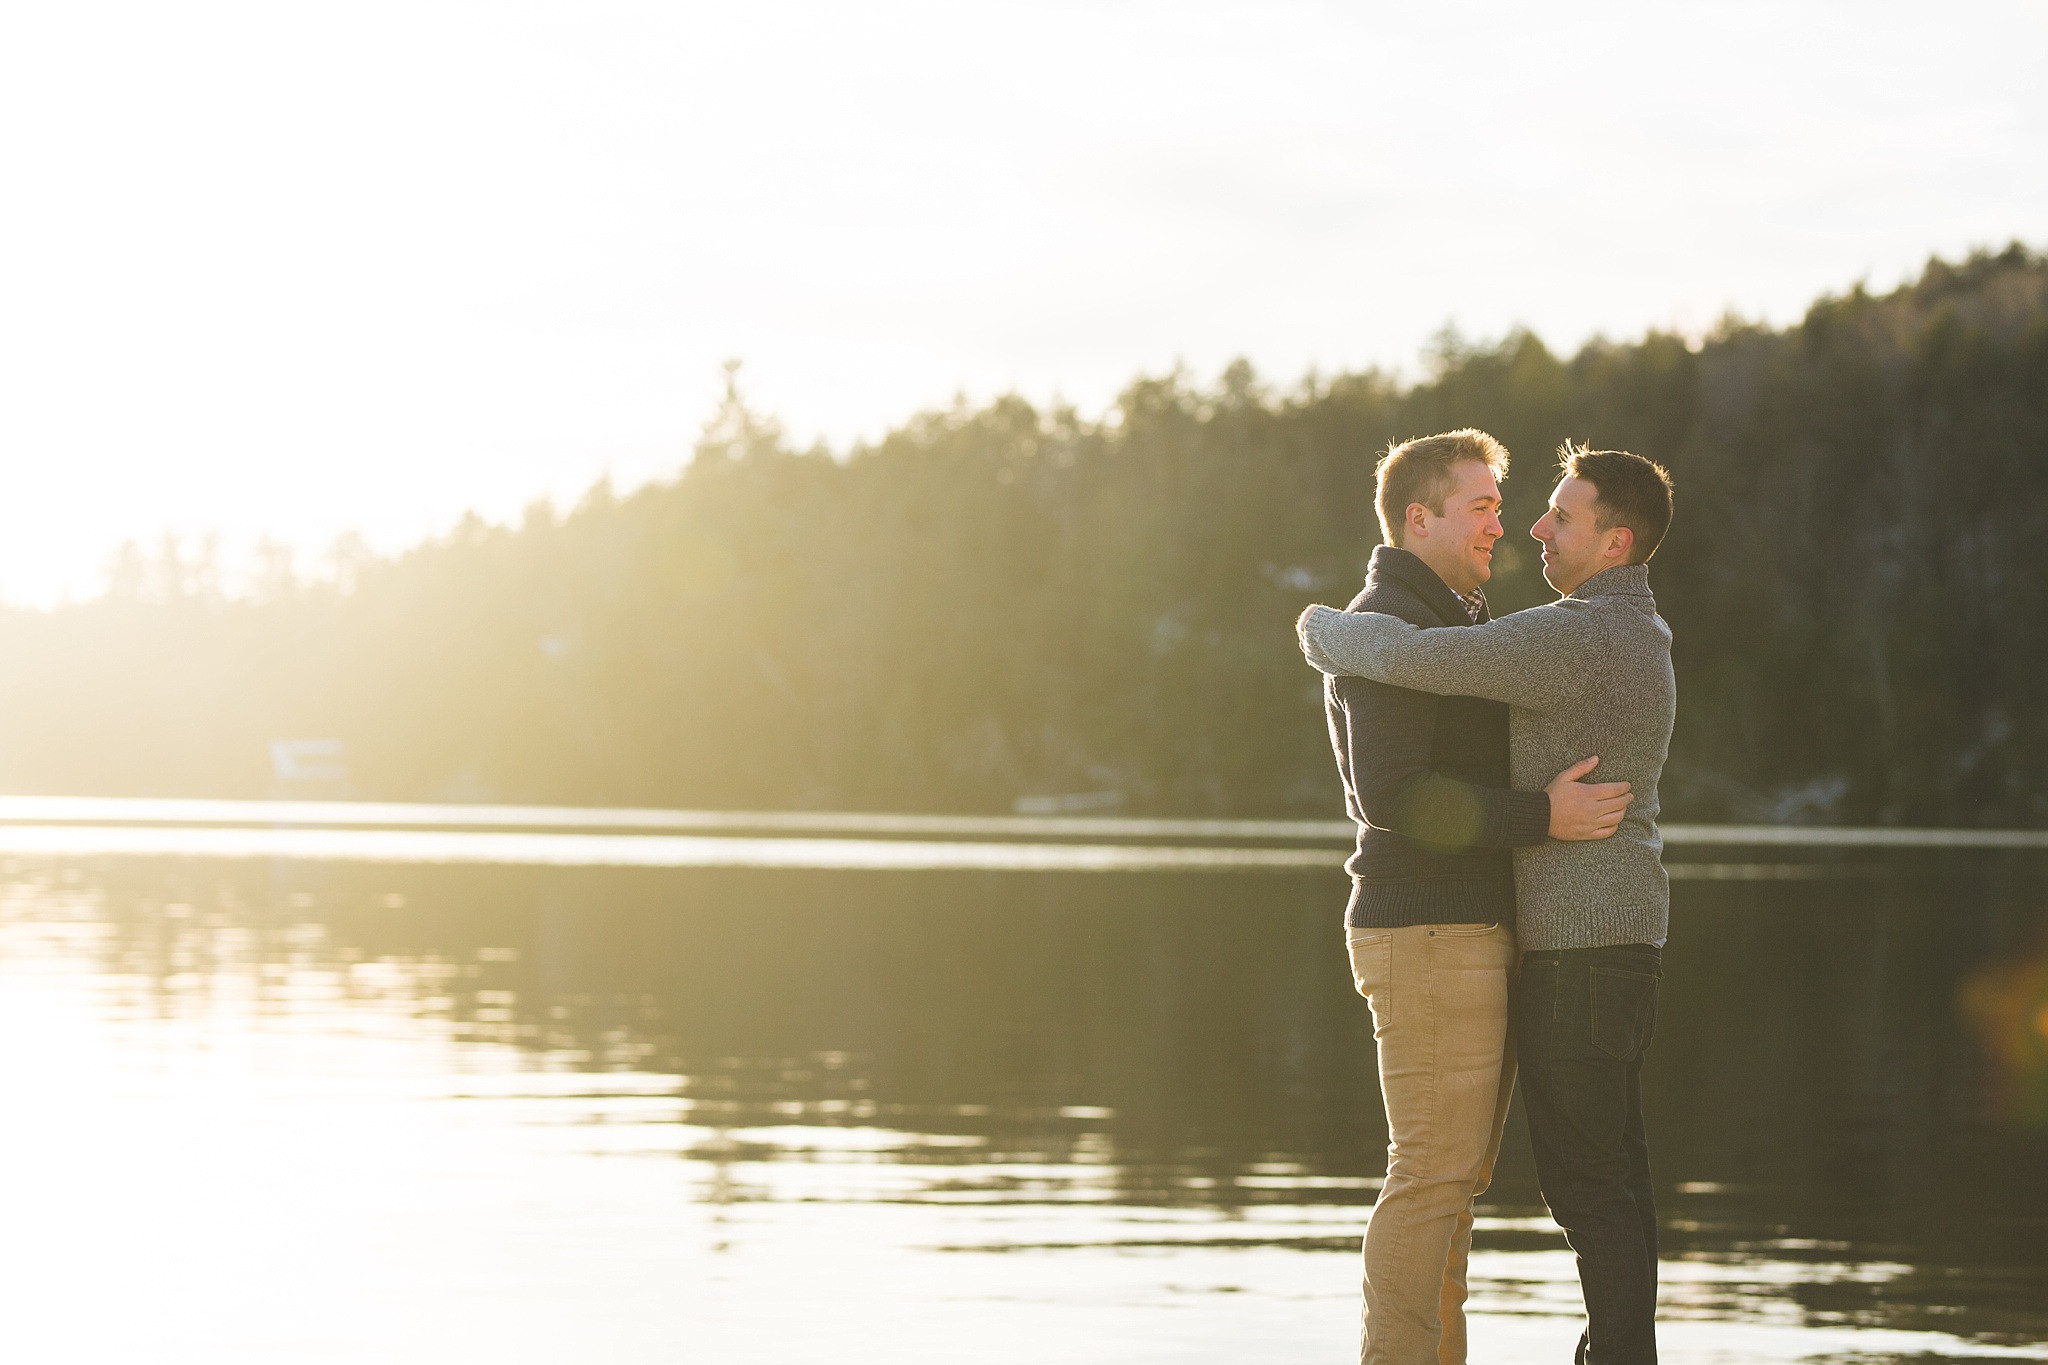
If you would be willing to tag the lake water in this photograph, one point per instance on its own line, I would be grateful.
(317, 1106)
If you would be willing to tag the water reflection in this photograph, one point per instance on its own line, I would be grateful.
(416, 1112)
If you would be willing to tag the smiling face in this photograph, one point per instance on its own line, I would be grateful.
(1459, 543)
(1574, 545)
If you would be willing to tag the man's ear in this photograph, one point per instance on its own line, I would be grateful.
(1416, 520)
(1621, 543)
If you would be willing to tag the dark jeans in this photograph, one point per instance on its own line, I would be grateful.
(1583, 1019)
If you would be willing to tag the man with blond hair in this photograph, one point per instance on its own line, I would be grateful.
(1430, 924)
(1589, 672)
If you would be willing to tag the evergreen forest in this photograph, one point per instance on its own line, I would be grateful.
(1007, 603)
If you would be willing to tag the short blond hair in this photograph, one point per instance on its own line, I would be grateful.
(1421, 471)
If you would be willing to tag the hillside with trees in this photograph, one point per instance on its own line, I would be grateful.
(1005, 601)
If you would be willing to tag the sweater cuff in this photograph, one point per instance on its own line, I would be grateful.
(1528, 818)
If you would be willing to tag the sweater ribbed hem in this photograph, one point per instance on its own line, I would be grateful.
(1447, 900)
(1545, 929)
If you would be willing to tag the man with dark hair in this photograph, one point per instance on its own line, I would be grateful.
(1587, 674)
(1431, 917)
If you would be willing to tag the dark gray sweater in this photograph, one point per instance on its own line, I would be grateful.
(1425, 778)
(1587, 674)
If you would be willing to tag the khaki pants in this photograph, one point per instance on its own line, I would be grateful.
(1439, 997)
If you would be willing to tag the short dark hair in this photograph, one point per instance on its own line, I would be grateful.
(1420, 471)
(1629, 491)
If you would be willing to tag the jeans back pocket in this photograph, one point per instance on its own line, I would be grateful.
(1624, 1009)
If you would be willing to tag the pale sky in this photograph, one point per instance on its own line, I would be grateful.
(296, 268)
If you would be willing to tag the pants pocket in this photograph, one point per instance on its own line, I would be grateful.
(1624, 1010)
(1372, 972)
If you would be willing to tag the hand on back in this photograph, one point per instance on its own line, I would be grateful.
(1585, 810)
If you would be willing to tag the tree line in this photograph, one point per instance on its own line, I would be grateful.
(1007, 601)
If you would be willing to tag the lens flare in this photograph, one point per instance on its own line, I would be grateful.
(2006, 1006)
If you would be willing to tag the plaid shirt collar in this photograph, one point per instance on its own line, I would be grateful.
(1475, 604)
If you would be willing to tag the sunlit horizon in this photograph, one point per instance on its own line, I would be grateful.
(662, 681)
(296, 273)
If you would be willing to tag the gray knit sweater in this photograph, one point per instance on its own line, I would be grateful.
(1587, 674)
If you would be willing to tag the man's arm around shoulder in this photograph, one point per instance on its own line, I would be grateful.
(1391, 737)
(1532, 658)
(1390, 733)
